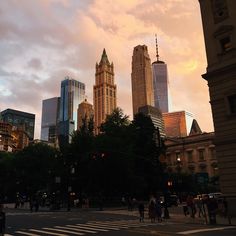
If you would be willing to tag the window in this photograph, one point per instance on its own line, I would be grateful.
(220, 10)
(226, 44)
(201, 154)
(232, 103)
(212, 153)
(190, 156)
(168, 159)
(178, 158)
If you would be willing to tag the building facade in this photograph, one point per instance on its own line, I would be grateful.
(160, 84)
(104, 91)
(72, 94)
(50, 117)
(141, 78)
(219, 27)
(85, 112)
(156, 117)
(6, 143)
(22, 120)
(177, 124)
(194, 154)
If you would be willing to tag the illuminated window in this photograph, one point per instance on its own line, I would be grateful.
(226, 44)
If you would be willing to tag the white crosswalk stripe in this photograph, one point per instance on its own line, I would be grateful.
(82, 226)
(47, 232)
(90, 227)
(64, 231)
(26, 233)
(76, 229)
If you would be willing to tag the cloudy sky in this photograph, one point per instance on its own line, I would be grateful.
(42, 41)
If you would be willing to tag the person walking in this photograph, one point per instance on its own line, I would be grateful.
(152, 211)
(141, 210)
(158, 211)
(199, 205)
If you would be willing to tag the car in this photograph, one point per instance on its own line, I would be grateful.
(214, 195)
(172, 200)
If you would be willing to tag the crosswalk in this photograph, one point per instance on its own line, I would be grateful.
(90, 227)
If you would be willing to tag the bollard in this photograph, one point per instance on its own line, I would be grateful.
(2, 221)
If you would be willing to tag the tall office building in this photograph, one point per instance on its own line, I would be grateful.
(219, 26)
(22, 120)
(160, 84)
(85, 112)
(50, 115)
(141, 78)
(72, 94)
(156, 117)
(104, 91)
(178, 123)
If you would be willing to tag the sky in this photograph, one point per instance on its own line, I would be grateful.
(42, 41)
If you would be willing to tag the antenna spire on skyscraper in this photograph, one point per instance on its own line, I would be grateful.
(157, 55)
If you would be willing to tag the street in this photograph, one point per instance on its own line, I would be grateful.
(108, 222)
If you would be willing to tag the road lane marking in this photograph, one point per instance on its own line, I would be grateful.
(112, 224)
(90, 227)
(64, 231)
(205, 230)
(76, 229)
(122, 224)
(102, 227)
(25, 233)
(47, 232)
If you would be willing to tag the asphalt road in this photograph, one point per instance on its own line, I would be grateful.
(106, 223)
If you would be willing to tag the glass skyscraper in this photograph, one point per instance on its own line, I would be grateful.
(50, 114)
(160, 84)
(72, 94)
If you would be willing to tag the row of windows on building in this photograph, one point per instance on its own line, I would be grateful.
(191, 156)
(109, 92)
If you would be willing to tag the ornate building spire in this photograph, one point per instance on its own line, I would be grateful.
(104, 58)
(157, 54)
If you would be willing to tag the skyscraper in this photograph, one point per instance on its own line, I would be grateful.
(160, 84)
(104, 91)
(22, 120)
(50, 115)
(85, 111)
(178, 123)
(141, 77)
(72, 94)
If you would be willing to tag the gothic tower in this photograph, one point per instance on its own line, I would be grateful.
(104, 91)
(219, 26)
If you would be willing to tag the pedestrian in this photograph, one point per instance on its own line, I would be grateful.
(191, 205)
(199, 205)
(159, 211)
(152, 211)
(212, 207)
(141, 210)
(123, 201)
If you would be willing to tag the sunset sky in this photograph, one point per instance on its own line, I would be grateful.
(42, 41)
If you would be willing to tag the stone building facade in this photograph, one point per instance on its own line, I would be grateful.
(85, 111)
(219, 27)
(191, 154)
